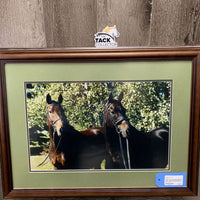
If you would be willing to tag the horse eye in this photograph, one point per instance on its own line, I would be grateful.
(50, 111)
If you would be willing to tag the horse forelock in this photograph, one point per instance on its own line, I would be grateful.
(56, 104)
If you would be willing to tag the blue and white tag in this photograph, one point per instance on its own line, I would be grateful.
(171, 179)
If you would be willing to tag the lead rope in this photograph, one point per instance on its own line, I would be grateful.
(128, 153)
(43, 162)
(122, 151)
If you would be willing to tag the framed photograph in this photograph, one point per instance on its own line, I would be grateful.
(99, 122)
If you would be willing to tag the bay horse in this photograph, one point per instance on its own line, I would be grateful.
(69, 148)
(128, 147)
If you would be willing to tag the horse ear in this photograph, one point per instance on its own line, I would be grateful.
(48, 99)
(120, 97)
(60, 99)
(110, 97)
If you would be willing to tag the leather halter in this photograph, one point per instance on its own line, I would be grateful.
(116, 123)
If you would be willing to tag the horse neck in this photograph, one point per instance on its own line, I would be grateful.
(110, 134)
(133, 129)
(67, 127)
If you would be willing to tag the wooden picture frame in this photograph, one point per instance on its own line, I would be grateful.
(92, 184)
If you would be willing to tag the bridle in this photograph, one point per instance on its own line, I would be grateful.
(51, 122)
(116, 123)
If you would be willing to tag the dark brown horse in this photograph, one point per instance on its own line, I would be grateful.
(69, 148)
(128, 147)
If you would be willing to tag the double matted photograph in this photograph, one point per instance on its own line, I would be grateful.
(75, 121)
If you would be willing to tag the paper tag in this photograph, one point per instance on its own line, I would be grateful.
(174, 180)
(171, 179)
(106, 38)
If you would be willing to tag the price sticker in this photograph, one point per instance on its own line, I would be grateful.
(171, 179)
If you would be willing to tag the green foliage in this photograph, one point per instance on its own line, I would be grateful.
(147, 103)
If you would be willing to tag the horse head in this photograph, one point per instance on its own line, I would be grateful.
(111, 31)
(115, 115)
(55, 114)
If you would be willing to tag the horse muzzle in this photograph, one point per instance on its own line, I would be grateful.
(123, 127)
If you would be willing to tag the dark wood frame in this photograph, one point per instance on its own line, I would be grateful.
(60, 55)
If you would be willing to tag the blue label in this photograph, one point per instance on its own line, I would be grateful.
(171, 179)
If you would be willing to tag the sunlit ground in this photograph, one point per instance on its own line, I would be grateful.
(36, 160)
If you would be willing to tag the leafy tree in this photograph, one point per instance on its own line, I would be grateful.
(147, 103)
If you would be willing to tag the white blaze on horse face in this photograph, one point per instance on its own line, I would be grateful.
(123, 127)
(58, 125)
